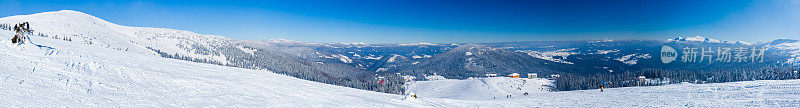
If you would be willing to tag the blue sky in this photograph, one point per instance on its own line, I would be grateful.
(445, 21)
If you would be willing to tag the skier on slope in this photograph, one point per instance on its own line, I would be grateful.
(412, 94)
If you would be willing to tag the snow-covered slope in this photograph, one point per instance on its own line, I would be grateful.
(768, 93)
(632, 58)
(493, 88)
(61, 73)
(557, 56)
(83, 28)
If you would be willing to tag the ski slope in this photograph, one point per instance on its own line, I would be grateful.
(49, 72)
(493, 88)
(473, 93)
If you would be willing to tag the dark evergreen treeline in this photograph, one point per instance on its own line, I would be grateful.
(664, 76)
(299, 65)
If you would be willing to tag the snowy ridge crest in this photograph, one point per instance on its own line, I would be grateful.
(791, 47)
(74, 26)
(705, 40)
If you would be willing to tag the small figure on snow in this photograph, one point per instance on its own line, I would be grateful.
(412, 94)
(601, 88)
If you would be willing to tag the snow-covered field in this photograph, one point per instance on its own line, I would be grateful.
(494, 88)
(769, 93)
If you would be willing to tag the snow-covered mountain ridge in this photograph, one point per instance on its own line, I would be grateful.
(790, 47)
(83, 28)
(705, 40)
